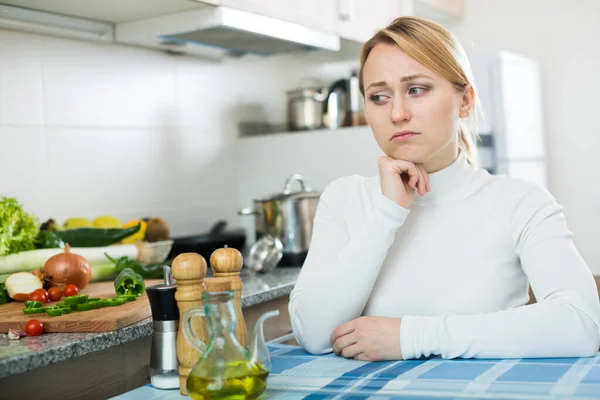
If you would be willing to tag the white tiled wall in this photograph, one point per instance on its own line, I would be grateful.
(89, 129)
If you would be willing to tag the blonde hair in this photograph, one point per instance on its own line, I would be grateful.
(436, 48)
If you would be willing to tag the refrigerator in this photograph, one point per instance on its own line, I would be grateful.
(512, 135)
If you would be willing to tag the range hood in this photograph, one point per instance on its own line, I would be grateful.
(225, 29)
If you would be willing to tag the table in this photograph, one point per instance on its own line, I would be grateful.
(297, 374)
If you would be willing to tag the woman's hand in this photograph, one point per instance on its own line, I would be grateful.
(368, 339)
(400, 179)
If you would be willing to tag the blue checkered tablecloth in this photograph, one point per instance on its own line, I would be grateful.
(297, 374)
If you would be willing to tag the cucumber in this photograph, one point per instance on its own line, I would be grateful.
(95, 237)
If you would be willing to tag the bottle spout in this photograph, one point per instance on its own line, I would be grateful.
(259, 353)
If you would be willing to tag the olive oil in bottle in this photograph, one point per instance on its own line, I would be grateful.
(241, 380)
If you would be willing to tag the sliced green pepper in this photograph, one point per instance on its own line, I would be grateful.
(78, 299)
(127, 297)
(33, 304)
(55, 312)
(94, 299)
(113, 302)
(87, 306)
(37, 310)
(129, 283)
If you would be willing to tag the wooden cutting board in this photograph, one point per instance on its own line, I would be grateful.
(100, 320)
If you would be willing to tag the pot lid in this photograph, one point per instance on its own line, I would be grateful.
(305, 192)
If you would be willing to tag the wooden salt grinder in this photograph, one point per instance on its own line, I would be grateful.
(189, 270)
(226, 263)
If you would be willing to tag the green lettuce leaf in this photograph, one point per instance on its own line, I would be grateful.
(18, 229)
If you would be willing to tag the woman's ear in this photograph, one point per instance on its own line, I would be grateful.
(468, 101)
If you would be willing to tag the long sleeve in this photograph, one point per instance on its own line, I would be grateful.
(564, 323)
(341, 268)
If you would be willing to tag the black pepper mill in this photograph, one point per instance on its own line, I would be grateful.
(165, 316)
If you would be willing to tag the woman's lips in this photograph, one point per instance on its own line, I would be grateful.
(403, 136)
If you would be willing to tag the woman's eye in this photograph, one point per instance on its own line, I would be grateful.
(416, 91)
(377, 98)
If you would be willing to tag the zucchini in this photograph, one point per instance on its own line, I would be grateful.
(95, 237)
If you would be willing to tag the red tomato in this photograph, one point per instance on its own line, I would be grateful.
(54, 293)
(42, 297)
(70, 290)
(41, 290)
(34, 327)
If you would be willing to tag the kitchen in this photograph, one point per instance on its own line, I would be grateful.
(135, 131)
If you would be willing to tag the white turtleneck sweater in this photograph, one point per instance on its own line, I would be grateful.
(455, 268)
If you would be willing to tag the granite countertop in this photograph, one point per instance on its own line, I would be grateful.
(25, 354)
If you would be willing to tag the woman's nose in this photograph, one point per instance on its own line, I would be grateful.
(400, 111)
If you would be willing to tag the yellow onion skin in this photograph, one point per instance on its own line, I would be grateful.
(67, 268)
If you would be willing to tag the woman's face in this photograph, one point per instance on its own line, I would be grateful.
(413, 112)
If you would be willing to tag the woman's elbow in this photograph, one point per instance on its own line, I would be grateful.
(309, 334)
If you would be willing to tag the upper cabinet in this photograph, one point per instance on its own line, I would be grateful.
(315, 14)
(359, 20)
(221, 27)
(355, 20)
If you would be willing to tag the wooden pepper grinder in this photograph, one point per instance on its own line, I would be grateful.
(226, 264)
(189, 270)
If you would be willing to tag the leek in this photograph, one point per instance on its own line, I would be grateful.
(27, 261)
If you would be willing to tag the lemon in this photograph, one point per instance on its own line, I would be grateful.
(107, 221)
(77, 222)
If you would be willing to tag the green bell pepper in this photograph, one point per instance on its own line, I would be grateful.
(129, 283)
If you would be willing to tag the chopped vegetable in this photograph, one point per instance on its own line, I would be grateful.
(88, 306)
(55, 312)
(33, 304)
(95, 237)
(27, 261)
(37, 310)
(78, 299)
(34, 327)
(129, 282)
(18, 229)
(67, 268)
(19, 285)
(14, 334)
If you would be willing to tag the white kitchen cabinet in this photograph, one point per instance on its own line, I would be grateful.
(114, 11)
(316, 14)
(359, 19)
(439, 10)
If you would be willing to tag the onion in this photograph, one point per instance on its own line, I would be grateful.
(67, 268)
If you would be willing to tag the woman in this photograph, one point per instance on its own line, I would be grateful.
(435, 256)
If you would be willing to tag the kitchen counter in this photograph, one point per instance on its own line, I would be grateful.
(28, 353)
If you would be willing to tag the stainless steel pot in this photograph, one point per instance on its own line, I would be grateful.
(287, 216)
(305, 108)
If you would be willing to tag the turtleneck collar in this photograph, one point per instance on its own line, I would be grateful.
(446, 182)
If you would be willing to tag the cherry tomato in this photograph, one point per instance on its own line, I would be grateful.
(70, 290)
(41, 290)
(34, 327)
(54, 293)
(38, 296)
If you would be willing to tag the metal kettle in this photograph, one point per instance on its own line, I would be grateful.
(165, 322)
(344, 104)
